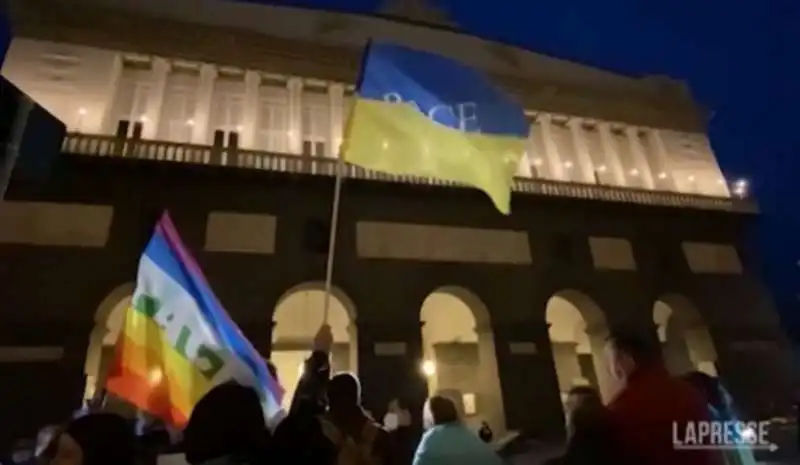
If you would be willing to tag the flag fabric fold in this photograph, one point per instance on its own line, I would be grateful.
(177, 341)
(417, 113)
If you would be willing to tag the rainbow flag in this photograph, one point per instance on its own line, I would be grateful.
(177, 341)
(422, 114)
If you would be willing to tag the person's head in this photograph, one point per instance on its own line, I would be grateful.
(439, 410)
(627, 351)
(344, 391)
(227, 421)
(708, 386)
(583, 406)
(94, 439)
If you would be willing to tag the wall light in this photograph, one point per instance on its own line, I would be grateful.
(82, 111)
(144, 119)
(634, 172)
(190, 122)
(537, 162)
(662, 175)
(239, 128)
(568, 165)
(428, 368)
(601, 169)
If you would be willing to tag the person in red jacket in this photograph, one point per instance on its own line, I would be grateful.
(651, 404)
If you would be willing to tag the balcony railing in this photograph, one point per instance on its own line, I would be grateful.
(110, 146)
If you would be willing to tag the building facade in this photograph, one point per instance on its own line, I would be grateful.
(230, 116)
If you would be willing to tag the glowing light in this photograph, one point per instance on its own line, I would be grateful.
(537, 162)
(190, 122)
(82, 111)
(568, 165)
(144, 119)
(155, 376)
(239, 128)
(662, 175)
(428, 368)
(690, 179)
(385, 144)
(602, 168)
(740, 188)
(634, 172)
(720, 181)
(748, 435)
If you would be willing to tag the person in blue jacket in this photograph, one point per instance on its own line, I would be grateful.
(448, 441)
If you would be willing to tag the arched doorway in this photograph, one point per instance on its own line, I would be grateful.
(578, 330)
(685, 341)
(297, 319)
(108, 321)
(459, 355)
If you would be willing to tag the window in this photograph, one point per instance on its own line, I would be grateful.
(272, 124)
(130, 102)
(177, 112)
(470, 405)
(227, 105)
(315, 121)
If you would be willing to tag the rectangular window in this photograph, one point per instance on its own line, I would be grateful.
(227, 105)
(131, 100)
(176, 123)
(315, 121)
(272, 124)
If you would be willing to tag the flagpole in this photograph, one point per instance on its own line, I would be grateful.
(337, 195)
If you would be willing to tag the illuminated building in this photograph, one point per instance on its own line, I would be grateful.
(232, 117)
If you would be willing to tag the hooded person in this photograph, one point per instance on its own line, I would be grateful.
(227, 426)
(94, 439)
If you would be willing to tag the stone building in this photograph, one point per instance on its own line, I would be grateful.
(230, 115)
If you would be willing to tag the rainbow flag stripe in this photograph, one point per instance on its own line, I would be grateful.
(177, 341)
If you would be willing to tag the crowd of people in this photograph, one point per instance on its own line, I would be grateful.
(326, 424)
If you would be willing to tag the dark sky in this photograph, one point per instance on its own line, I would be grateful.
(740, 58)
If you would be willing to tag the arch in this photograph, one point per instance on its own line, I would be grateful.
(577, 328)
(460, 358)
(297, 317)
(685, 339)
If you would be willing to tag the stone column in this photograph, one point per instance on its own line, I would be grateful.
(295, 86)
(552, 157)
(155, 100)
(252, 84)
(336, 112)
(105, 123)
(568, 368)
(203, 106)
(489, 393)
(664, 178)
(640, 157)
(612, 155)
(528, 378)
(585, 164)
(606, 384)
(389, 357)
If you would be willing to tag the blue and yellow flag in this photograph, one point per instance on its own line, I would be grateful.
(422, 114)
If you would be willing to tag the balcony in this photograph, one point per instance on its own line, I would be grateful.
(111, 146)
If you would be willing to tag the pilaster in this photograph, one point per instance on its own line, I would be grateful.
(252, 84)
(552, 156)
(612, 156)
(105, 123)
(150, 120)
(336, 109)
(664, 178)
(295, 86)
(585, 164)
(640, 157)
(202, 112)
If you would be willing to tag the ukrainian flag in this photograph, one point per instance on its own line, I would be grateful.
(422, 114)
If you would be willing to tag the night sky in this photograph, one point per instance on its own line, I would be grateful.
(740, 58)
